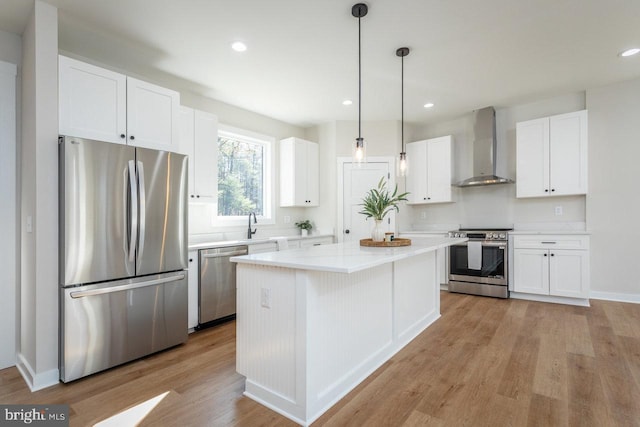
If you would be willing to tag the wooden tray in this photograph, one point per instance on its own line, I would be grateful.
(394, 242)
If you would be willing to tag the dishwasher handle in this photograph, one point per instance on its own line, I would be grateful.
(128, 287)
(225, 254)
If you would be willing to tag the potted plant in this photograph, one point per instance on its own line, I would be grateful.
(378, 203)
(304, 227)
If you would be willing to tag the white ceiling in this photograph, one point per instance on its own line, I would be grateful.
(301, 61)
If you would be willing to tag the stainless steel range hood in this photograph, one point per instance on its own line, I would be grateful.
(484, 150)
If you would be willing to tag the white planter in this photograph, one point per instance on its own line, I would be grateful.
(377, 233)
(304, 232)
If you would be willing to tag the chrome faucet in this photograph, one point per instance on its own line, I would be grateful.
(255, 221)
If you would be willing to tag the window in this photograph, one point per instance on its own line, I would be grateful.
(244, 174)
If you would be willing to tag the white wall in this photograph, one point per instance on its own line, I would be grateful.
(494, 206)
(10, 57)
(613, 202)
(38, 349)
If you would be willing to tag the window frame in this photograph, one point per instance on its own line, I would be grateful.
(268, 172)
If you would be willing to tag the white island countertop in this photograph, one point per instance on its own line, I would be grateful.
(347, 257)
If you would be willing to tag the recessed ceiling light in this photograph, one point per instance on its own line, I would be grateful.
(239, 46)
(630, 52)
(347, 102)
(428, 105)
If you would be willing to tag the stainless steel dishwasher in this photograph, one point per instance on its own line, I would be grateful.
(217, 284)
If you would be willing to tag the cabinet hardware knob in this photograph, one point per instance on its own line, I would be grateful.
(553, 189)
(545, 254)
(553, 254)
(122, 135)
(546, 190)
(132, 137)
(192, 196)
(424, 198)
(198, 196)
(190, 259)
(346, 231)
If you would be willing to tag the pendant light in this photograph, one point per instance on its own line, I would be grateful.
(403, 164)
(359, 10)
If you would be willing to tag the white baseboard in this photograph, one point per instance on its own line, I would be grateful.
(444, 286)
(612, 296)
(35, 381)
(583, 302)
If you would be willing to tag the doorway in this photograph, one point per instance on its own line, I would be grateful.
(353, 183)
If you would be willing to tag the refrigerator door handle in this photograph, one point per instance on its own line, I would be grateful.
(143, 204)
(128, 287)
(133, 211)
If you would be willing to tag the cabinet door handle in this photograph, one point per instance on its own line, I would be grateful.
(548, 243)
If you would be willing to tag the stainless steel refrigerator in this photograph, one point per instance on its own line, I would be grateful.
(123, 254)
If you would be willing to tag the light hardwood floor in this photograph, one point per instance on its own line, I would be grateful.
(485, 362)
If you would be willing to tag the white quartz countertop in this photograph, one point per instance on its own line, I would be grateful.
(346, 257)
(244, 242)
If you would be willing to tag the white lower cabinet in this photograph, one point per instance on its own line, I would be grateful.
(555, 265)
(192, 285)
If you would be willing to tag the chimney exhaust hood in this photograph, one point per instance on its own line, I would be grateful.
(484, 150)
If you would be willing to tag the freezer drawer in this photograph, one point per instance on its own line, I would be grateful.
(217, 284)
(115, 322)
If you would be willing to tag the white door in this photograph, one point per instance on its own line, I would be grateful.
(532, 158)
(152, 116)
(568, 153)
(357, 181)
(568, 273)
(531, 271)
(92, 102)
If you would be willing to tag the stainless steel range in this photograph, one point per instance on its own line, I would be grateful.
(479, 266)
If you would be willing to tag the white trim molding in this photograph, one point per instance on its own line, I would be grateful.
(612, 296)
(582, 302)
(36, 381)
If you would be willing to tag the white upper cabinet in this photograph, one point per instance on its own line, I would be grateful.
(99, 104)
(429, 177)
(199, 141)
(299, 173)
(93, 102)
(152, 116)
(552, 156)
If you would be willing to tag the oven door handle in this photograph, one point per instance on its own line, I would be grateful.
(499, 245)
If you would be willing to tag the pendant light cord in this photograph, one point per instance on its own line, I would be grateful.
(359, 82)
(402, 102)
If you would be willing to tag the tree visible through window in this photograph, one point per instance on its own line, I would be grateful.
(240, 176)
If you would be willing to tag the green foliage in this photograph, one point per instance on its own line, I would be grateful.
(378, 202)
(240, 177)
(304, 225)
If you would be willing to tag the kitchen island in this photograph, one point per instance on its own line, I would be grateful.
(313, 323)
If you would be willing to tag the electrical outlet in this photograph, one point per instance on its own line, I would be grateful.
(423, 215)
(287, 219)
(558, 210)
(265, 297)
(29, 224)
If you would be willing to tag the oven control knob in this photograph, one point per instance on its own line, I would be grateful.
(463, 235)
(503, 236)
(494, 236)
